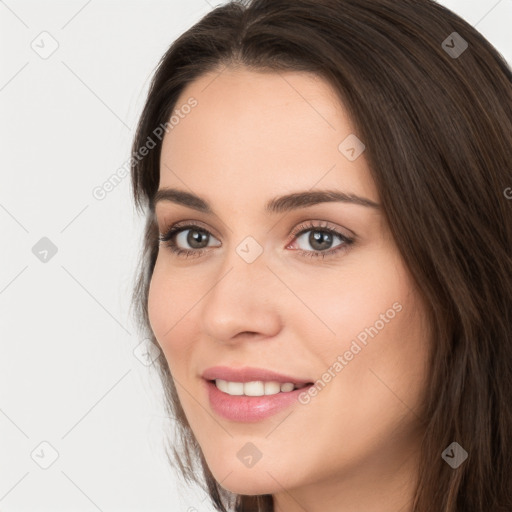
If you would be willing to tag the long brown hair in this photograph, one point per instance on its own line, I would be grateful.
(436, 118)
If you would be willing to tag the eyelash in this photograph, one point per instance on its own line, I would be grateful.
(168, 236)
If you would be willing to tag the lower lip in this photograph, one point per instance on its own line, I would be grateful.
(250, 408)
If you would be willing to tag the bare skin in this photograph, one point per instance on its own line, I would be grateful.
(354, 446)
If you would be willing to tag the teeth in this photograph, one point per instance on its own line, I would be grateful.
(272, 388)
(255, 388)
(234, 388)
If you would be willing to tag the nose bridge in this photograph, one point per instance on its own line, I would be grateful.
(242, 297)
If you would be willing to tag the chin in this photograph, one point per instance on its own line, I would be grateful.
(238, 479)
(249, 485)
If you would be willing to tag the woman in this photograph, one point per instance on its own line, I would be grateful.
(327, 266)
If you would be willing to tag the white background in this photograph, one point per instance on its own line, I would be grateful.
(68, 374)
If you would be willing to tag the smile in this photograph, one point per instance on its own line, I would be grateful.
(255, 388)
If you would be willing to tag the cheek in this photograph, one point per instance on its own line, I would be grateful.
(351, 299)
(388, 373)
(165, 307)
(159, 312)
(380, 328)
(173, 296)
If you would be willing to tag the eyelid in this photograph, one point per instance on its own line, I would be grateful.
(188, 224)
(308, 225)
(298, 229)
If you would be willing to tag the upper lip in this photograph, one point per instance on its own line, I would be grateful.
(249, 374)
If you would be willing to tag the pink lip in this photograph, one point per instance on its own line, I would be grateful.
(248, 408)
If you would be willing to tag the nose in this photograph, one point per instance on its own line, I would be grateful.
(244, 301)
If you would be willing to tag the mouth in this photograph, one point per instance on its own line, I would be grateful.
(251, 394)
(255, 405)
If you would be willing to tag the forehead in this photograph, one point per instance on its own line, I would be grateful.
(261, 131)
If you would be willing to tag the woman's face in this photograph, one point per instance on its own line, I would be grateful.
(270, 289)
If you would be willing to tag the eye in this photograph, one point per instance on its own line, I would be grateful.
(321, 239)
(193, 235)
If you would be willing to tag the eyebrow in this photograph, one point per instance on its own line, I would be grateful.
(279, 204)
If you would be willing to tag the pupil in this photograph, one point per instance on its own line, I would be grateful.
(320, 240)
(196, 237)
